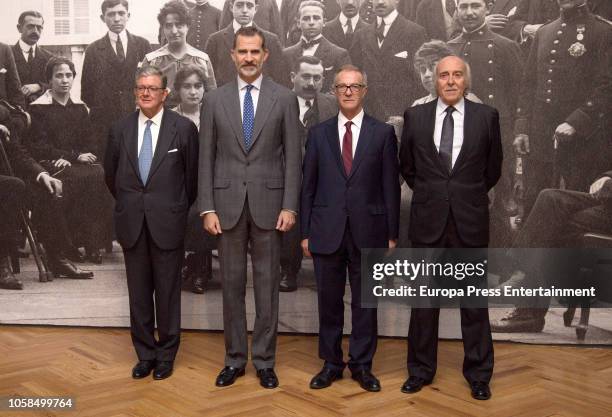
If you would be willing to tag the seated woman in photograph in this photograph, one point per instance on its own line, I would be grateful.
(189, 86)
(62, 141)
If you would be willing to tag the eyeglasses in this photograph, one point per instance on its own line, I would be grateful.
(150, 90)
(355, 88)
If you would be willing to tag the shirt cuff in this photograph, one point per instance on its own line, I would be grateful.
(203, 213)
(291, 211)
(38, 176)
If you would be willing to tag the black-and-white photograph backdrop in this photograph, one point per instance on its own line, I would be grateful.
(544, 64)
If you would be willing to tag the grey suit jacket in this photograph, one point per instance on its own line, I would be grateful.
(269, 174)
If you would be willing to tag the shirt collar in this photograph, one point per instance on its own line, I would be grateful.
(344, 19)
(477, 30)
(155, 119)
(237, 25)
(257, 83)
(113, 36)
(26, 48)
(357, 120)
(202, 5)
(302, 101)
(302, 38)
(389, 19)
(441, 106)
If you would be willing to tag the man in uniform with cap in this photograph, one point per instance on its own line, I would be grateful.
(564, 114)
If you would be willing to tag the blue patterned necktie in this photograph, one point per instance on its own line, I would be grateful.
(146, 153)
(248, 117)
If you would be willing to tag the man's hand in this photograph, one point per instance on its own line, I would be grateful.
(521, 144)
(305, 249)
(53, 185)
(61, 163)
(496, 21)
(5, 131)
(565, 132)
(30, 89)
(597, 186)
(530, 30)
(392, 244)
(286, 220)
(212, 224)
(87, 158)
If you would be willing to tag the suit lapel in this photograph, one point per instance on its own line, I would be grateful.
(231, 103)
(228, 37)
(130, 141)
(334, 143)
(265, 102)
(392, 35)
(131, 58)
(167, 131)
(362, 143)
(323, 51)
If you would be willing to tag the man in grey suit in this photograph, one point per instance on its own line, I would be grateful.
(248, 193)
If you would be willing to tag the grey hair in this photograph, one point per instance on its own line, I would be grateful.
(467, 75)
(350, 67)
(151, 71)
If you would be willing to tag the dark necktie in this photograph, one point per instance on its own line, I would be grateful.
(309, 44)
(120, 50)
(446, 140)
(451, 7)
(349, 27)
(347, 148)
(30, 54)
(380, 31)
(145, 157)
(248, 117)
(307, 119)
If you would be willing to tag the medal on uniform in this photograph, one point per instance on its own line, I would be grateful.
(577, 48)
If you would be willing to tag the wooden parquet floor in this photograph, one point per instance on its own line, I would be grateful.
(93, 366)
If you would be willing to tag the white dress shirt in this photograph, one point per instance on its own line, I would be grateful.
(142, 125)
(355, 128)
(237, 25)
(344, 20)
(242, 85)
(25, 48)
(389, 19)
(124, 40)
(303, 107)
(458, 116)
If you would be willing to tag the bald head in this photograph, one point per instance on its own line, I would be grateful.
(452, 79)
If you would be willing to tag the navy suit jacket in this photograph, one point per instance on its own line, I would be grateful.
(462, 191)
(171, 188)
(367, 199)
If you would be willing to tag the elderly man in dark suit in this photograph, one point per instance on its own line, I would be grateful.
(313, 43)
(315, 107)
(450, 156)
(108, 70)
(341, 29)
(385, 52)
(151, 170)
(267, 16)
(205, 20)
(350, 201)
(248, 195)
(222, 41)
(31, 58)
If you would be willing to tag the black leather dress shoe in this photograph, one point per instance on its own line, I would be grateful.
(288, 283)
(366, 380)
(325, 378)
(94, 256)
(414, 384)
(8, 281)
(62, 267)
(74, 254)
(228, 376)
(480, 390)
(142, 369)
(267, 378)
(163, 370)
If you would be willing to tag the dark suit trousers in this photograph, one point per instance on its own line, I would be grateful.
(291, 250)
(330, 272)
(12, 191)
(154, 274)
(475, 329)
(265, 258)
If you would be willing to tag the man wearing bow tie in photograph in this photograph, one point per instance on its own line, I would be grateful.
(313, 43)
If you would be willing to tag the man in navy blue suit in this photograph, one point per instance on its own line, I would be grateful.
(350, 201)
